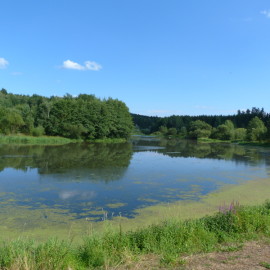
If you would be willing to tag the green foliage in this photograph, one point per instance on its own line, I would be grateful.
(51, 255)
(222, 132)
(163, 130)
(4, 91)
(151, 124)
(225, 131)
(169, 240)
(256, 129)
(119, 120)
(199, 129)
(183, 132)
(38, 131)
(92, 253)
(172, 131)
(266, 265)
(240, 134)
(85, 116)
(23, 139)
(11, 122)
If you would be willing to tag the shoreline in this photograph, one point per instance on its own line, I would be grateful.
(58, 223)
(50, 140)
(169, 243)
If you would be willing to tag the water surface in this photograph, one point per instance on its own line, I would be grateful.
(97, 181)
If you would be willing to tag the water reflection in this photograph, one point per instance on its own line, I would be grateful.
(188, 148)
(84, 180)
(95, 162)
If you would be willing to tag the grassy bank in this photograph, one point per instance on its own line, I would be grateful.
(224, 230)
(257, 143)
(31, 140)
(109, 140)
(49, 140)
(209, 140)
(265, 144)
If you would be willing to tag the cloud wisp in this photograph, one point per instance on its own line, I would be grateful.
(3, 63)
(266, 13)
(88, 65)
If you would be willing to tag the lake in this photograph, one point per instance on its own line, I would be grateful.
(51, 185)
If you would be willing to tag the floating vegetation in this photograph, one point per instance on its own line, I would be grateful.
(55, 190)
(115, 205)
(148, 200)
(169, 241)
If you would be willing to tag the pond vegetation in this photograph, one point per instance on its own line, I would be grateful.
(138, 183)
(126, 197)
(170, 240)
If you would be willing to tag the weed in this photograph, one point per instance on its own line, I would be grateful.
(265, 265)
(231, 248)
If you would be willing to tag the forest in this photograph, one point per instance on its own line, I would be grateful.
(88, 117)
(83, 117)
(251, 125)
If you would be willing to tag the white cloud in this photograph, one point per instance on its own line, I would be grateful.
(68, 64)
(92, 66)
(3, 63)
(266, 13)
(88, 65)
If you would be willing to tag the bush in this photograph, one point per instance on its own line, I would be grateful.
(38, 131)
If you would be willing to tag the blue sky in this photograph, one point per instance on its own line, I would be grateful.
(161, 57)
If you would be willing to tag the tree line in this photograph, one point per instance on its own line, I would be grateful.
(252, 125)
(82, 117)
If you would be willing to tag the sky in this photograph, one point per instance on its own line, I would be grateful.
(160, 57)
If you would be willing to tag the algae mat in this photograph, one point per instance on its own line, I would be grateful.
(46, 223)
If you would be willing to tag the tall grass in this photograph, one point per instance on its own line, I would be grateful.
(31, 140)
(108, 140)
(168, 240)
(49, 140)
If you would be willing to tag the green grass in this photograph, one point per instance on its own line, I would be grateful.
(30, 140)
(49, 140)
(209, 140)
(109, 140)
(265, 144)
(167, 240)
(265, 265)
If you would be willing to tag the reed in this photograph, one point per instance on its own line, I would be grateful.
(31, 140)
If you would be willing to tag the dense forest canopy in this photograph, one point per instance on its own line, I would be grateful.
(84, 116)
(251, 124)
(87, 117)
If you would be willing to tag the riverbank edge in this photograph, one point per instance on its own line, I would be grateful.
(209, 140)
(50, 140)
(255, 143)
(170, 241)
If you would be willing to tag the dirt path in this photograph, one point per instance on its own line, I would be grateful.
(252, 256)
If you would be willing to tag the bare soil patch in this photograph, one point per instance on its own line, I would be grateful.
(253, 255)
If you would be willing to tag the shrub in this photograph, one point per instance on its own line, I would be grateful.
(38, 131)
